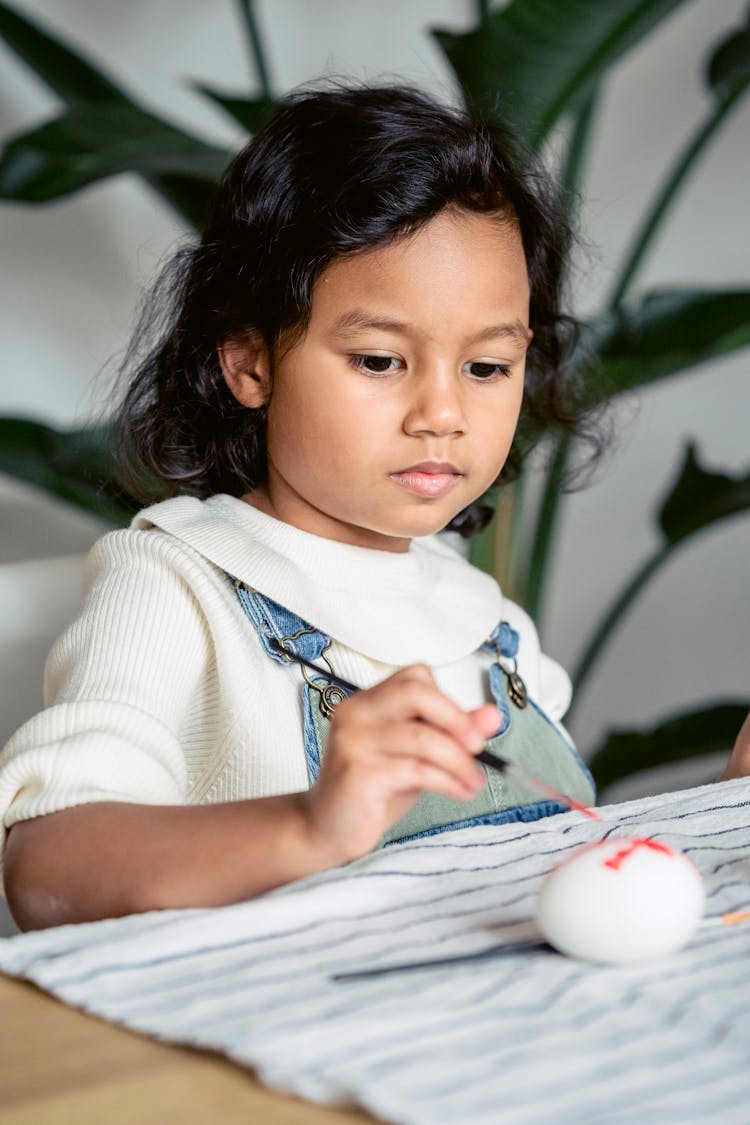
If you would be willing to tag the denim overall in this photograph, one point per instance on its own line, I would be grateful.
(528, 737)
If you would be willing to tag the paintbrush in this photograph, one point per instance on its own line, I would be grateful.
(494, 761)
(532, 945)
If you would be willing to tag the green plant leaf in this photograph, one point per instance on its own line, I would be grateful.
(707, 730)
(250, 113)
(67, 73)
(78, 82)
(190, 197)
(255, 42)
(696, 500)
(667, 332)
(727, 75)
(91, 142)
(699, 498)
(534, 60)
(76, 465)
(728, 67)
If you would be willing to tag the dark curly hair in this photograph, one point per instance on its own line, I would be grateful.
(336, 171)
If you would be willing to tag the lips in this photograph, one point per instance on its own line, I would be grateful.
(436, 467)
(429, 478)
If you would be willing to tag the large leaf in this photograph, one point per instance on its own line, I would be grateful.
(67, 73)
(75, 465)
(696, 500)
(90, 142)
(191, 197)
(536, 59)
(78, 82)
(699, 498)
(693, 734)
(665, 333)
(250, 113)
(728, 77)
(729, 66)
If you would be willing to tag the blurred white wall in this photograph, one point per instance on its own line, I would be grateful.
(72, 272)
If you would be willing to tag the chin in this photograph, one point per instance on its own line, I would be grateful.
(406, 522)
(428, 524)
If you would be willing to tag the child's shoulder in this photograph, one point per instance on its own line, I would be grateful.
(159, 542)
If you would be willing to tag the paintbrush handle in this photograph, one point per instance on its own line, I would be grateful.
(494, 761)
(535, 945)
(510, 769)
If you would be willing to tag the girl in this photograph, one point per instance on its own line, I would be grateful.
(365, 341)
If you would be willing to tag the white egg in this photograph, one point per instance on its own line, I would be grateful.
(623, 900)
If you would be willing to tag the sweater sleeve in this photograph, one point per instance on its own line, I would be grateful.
(118, 686)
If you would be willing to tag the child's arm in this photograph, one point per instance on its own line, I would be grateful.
(739, 762)
(106, 859)
(386, 745)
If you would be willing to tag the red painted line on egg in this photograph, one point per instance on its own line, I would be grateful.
(616, 861)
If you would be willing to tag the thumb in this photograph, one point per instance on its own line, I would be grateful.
(486, 721)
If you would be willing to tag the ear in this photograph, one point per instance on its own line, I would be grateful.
(246, 367)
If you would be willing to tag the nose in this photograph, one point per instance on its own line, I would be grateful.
(435, 403)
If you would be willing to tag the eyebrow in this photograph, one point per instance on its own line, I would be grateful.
(350, 322)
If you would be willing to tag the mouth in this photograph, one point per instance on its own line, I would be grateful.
(428, 478)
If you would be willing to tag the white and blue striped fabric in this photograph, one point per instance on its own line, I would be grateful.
(527, 1036)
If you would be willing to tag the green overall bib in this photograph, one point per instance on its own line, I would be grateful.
(527, 737)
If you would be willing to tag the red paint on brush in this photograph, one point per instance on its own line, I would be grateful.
(616, 861)
(565, 799)
(585, 809)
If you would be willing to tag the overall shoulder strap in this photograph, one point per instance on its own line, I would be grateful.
(505, 682)
(274, 622)
(274, 625)
(503, 640)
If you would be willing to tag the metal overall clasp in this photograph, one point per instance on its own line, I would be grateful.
(330, 694)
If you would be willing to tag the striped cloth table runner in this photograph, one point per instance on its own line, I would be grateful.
(528, 1036)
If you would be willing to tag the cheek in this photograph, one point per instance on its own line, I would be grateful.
(514, 406)
(492, 437)
(305, 434)
(497, 423)
(291, 413)
(286, 443)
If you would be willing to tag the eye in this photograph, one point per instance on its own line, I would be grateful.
(484, 370)
(374, 364)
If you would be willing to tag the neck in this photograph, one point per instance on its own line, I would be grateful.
(316, 522)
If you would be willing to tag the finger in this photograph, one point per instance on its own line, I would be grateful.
(434, 747)
(409, 774)
(486, 720)
(421, 672)
(416, 697)
(742, 744)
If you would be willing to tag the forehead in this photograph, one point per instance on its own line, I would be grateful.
(459, 267)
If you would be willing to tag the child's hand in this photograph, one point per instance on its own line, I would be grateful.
(739, 763)
(385, 746)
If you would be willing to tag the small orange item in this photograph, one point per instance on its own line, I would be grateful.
(737, 916)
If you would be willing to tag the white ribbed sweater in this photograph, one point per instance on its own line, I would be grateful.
(160, 693)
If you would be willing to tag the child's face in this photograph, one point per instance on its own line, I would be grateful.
(399, 405)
